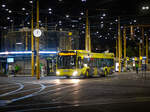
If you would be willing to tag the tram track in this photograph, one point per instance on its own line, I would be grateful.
(42, 107)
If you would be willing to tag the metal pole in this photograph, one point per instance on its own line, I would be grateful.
(89, 41)
(139, 55)
(131, 31)
(86, 36)
(121, 46)
(32, 45)
(70, 43)
(147, 49)
(124, 34)
(26, 41)
(142, 41)
(116, 50)
(119, 43)
(37, 45)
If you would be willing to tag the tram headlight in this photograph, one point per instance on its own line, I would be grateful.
(85, 65)
(75, 73)
(57, 72)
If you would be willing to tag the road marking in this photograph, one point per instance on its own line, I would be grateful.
(9, 93)
(60, 88)
(79, 104)
(7, 85)
(30, 95)
(32, 89)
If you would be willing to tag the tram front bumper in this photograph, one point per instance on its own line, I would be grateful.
(70, 73)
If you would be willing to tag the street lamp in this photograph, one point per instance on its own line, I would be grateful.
(145, 7)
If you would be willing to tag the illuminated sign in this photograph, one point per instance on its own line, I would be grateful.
(10, 60)
(66, 54)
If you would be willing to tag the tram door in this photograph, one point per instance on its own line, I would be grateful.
(50, 66)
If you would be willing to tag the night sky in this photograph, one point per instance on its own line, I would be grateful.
(70, 14)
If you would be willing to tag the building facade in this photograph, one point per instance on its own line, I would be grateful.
(16, 46)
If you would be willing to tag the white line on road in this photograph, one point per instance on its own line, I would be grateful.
(30, 95)
(9, 93)
(7, 85)
(32, 89)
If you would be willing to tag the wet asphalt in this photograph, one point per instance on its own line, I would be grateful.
(124, 92)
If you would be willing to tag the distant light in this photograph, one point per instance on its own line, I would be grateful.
(145, 8)
(60, 29)
(116, 20)
(27, 13)
(83, 32)
(134, 21)
(8, 18)
(104, 15)
(28, 23)
(23, 9)
(102, 22)
(83, 0)
(60, 22)
(49, 9)
(31, 1)
(102, 25)
(82, 13)
(73, 26)
(111, 23)
(60, 0)
(4, 28)
(97, 32)
(10, 11)
(7, 9)
(50, 12)
(11, 20)
(67, 16)
(80, 18)
(18, 43)
(3, 5)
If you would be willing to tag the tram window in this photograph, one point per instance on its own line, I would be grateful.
(80, 63)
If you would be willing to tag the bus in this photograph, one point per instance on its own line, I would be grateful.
(81, 63)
